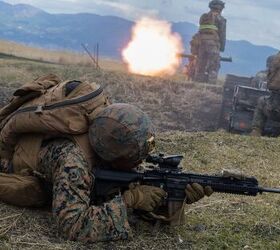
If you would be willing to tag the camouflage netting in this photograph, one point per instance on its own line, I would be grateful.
(222, 218)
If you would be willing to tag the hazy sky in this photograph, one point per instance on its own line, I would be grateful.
(252, 20)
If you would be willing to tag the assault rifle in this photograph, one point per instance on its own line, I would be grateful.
(191, 57)
(167, 174)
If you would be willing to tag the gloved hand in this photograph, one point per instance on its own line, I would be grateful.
(143, 197)
(195, 192)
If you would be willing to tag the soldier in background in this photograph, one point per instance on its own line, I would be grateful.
(268, 106)
(208, 42)
(260, 80)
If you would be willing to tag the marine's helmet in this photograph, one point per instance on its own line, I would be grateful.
(216, 5)
(273, 74)
(122, 134)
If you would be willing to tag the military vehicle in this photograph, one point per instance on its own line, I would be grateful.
(240, 98)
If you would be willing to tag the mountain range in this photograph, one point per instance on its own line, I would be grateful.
(29, 25)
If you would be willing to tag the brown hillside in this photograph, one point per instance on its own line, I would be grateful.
(172, 104)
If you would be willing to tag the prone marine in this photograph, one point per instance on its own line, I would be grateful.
(53, 133)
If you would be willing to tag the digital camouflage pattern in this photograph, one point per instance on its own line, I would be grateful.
(273, 75)
(62, 164)
(267, 108)
(122, 131)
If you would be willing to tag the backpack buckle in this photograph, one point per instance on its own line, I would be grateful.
(39, 109)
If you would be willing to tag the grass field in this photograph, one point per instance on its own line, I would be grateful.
(181, 105)
(176, 106)
(216, 222)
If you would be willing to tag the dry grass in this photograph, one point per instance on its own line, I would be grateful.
(59, 57)
(217, 222)
(172, 104)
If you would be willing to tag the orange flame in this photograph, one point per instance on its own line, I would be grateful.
(153, 49)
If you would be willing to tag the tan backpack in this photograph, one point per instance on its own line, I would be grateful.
(52, 113)
(42, 109)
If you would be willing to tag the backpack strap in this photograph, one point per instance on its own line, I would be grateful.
(28, 92)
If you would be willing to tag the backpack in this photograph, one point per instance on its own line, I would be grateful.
(52, 108)
(42, 109)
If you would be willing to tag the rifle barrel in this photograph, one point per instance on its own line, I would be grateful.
(226, 59)
(269, 190)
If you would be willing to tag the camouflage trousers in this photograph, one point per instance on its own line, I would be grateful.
(62, 164)
(208, 62)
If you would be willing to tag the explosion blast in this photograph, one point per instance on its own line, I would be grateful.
(153, 49)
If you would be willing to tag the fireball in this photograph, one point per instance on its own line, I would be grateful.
(153, 48)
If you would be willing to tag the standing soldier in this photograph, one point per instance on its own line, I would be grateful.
(210, 41)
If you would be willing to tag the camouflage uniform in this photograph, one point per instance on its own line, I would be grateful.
(190, 68)
(62, 164)
(267, 108)
(212, 39)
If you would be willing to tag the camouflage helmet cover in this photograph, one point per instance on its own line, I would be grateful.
(122, 131)
(216, 4)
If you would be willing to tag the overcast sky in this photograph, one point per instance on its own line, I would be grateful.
(254, 20)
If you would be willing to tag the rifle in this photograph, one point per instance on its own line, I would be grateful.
(166, 173)
(191, 57)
